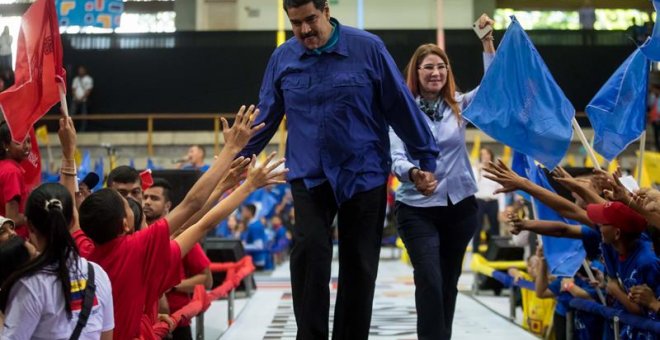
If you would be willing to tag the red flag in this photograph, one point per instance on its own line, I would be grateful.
(38, 70)
(147, 179)
(32, 164)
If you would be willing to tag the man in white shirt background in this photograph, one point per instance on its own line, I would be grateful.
(81, 89)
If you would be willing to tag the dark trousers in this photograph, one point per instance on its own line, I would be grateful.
(436, 239)
(360, 223)
(488, 209)
(79, 108)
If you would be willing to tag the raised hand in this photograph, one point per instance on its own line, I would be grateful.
(500, 173)
(265, 173)
(516, 223)
(569, 182)
(239, 134)
(237, 172)
(603, 180)
(649, 203)
(617, 191)
(485, 20)
(67, 135)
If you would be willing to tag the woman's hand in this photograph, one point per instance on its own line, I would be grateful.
(487, 40)
(424, 181)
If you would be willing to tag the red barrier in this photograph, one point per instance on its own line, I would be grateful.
(201, 300)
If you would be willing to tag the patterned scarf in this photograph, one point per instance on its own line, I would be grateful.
(430, 108)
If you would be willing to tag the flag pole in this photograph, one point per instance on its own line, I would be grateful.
(640, 160)
(63, 105)
(585, 143)
(592, 155)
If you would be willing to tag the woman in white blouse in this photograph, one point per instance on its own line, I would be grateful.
(437, 218)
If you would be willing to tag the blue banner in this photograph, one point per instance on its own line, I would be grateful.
(651, 48)
(519, 103)
(563, 255)
(618, 111)
(97, 13)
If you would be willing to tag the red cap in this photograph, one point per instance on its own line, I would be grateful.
(618, 215)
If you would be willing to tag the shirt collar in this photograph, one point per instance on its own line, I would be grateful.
(335, 44)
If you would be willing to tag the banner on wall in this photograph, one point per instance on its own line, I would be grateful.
(97, 13)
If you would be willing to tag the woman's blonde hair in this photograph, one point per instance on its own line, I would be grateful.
(412, 77)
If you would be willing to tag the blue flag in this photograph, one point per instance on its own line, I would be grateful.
(564, 255)
(98, 168)
(264, 201)
(151, 165)
(618, 111)
(520, 104)
(651, 47)
(85, 165)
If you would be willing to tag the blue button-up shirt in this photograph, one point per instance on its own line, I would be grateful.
(453, 170)
(339, 104)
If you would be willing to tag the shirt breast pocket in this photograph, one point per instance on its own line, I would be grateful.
(352, 89)
(295, 89)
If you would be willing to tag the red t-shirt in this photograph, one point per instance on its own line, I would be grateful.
(12, 185)
(138, 265)
(85, 244)
(195, 262)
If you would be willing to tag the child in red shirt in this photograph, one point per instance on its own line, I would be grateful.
(140, 264)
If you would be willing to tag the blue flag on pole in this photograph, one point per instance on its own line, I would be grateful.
(520, 104)
(151, 165)
(264, 201)
(564, 255)
(651, 47)
(618, 111)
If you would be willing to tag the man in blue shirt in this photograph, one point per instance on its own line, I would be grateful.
(340, 90)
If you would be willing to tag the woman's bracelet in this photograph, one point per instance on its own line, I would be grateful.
(488, 38)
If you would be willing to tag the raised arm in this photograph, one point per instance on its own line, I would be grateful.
(548, 228)
(510, 181)
(258, 176)
(236, 138)
(234, 176)
(68, 178)
(541, 280)
(581, 187)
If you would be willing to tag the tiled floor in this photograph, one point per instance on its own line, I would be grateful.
(268, 313)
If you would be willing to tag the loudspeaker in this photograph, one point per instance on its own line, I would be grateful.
(180, 180)
(499, 249)
(226, 250)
